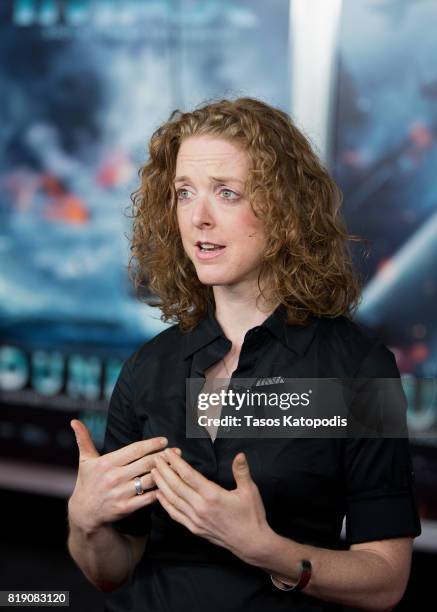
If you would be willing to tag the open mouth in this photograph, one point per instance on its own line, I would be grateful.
(207, 247)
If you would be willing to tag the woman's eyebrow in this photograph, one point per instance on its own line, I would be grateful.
(216, 179)
(226, 179)
(181, 179)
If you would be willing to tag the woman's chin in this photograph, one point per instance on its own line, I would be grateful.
(211, 278)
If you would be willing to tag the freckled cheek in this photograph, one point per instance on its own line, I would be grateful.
(249, 239)
(254, 235)
(249, 227)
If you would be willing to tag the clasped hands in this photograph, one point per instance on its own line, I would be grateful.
(234, 519)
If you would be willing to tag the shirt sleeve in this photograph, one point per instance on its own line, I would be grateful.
(378, 474)
(121, 430)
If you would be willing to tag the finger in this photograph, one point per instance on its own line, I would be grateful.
(136, 450)
(141, 466)
(141, 501)
(161, 476)
(174, 513)
(194, 479)
(87, 450)
(241, 471)
(147, 483)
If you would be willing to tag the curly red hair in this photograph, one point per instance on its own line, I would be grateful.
(307, 261)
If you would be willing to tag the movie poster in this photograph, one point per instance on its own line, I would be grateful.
(385, 159)
(84, 84)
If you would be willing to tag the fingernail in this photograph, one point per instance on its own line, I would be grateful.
(163, 441)
(177, 451)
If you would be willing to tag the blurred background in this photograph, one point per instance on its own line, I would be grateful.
(84, 83)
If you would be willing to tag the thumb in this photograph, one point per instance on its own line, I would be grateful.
(240, 469)
(87, 450)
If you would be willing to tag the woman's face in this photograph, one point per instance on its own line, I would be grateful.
(212, 210)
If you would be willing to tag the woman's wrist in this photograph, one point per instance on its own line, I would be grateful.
(81, 521)
(304, 578)
(265, 548)
(270, 548)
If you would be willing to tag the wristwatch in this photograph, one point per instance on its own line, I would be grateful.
(304, 578)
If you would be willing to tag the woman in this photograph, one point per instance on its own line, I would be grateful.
(237, 229)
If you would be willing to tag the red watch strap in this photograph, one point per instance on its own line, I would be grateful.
(304, 578)
(305, 574)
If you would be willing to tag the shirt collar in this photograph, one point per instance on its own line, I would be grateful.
(295, 337)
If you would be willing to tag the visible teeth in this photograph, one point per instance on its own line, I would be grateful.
(208, 246)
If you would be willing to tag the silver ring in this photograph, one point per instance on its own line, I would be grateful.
(138, 486)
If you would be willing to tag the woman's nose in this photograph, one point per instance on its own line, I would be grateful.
(203, 213)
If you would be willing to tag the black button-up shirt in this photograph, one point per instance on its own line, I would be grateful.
(308, 485)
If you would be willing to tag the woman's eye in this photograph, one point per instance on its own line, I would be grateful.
(180, 193)
(228, 193)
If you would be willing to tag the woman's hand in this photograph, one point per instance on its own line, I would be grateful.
(104, 489)
(233, 519)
